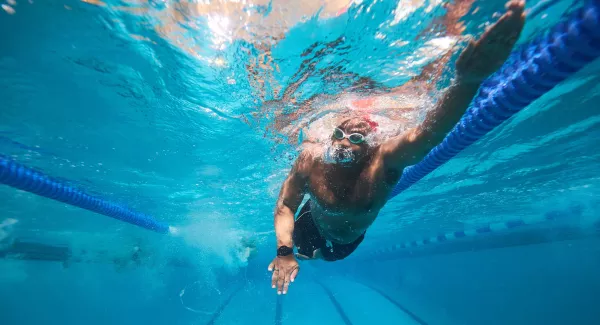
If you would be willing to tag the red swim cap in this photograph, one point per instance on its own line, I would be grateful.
(371, 123)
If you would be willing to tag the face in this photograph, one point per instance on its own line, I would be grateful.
(349, 143)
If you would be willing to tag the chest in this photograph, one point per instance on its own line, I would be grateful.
(360, 193)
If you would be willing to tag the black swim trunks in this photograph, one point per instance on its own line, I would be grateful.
(307, 238)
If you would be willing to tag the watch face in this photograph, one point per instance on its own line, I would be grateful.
(284, 251)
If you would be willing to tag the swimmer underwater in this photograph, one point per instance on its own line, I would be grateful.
(349, 182)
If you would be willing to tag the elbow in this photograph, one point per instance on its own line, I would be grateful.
(281, 209)
(278, 210)
(413, 135)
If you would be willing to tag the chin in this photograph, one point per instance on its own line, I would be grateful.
(346, 163)
(340, 156)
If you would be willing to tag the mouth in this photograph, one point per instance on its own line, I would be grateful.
(339, 155)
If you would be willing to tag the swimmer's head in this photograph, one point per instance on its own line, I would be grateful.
(349, 141)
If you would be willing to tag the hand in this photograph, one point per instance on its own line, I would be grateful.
(483, 57)
(285, 269)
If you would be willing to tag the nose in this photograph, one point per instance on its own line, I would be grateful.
(345, 143)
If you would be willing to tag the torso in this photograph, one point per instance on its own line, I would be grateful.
(343, 208)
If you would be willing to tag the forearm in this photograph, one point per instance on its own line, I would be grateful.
(448, 111)
(284, 225)
(412, 146)
(289, 200)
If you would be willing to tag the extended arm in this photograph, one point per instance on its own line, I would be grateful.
(285, 268)
(479, 60)
(290, 197)
(412, 146)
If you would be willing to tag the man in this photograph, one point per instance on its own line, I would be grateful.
(349, 182)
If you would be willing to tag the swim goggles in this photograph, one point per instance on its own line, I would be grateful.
(354, 138)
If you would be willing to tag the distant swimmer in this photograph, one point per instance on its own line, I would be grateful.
(247, 249)
(349, 181)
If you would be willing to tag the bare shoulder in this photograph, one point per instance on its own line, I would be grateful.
(307, 158)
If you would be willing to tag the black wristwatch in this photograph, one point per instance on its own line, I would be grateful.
(284, 251)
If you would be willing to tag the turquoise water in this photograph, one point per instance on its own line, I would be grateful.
(191, 113)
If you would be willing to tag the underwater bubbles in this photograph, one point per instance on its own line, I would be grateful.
(200, 297)
(335, 154)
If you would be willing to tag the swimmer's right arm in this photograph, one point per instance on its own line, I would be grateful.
(285, 268)
(290, 197)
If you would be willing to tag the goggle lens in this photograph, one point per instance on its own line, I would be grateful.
(355, 138)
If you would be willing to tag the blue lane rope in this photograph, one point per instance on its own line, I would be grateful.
(551, 216)
(26, 179)
(529, 73)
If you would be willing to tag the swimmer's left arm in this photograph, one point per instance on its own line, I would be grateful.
(412, 146)
(478, 60)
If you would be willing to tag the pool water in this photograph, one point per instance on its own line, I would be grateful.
(192, 113)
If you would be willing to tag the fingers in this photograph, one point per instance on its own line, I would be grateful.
(283, 274)
(515, 15)
(516, 6)
(294, 274)
(274, 275)
(286, 282)
(509, 30)
(515, 11)
(274, 279)
(504, 33)
(499, 29)
(280, 281)
(278, 276)
(289, 278)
